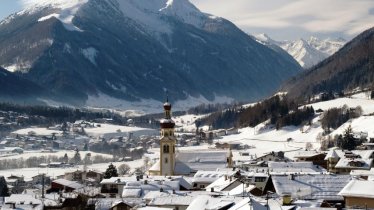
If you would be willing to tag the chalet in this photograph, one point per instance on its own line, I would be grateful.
(294, 167)
(22, 201)
(342, 162)
(316, 158)
(272, 156)
(311, 186)
(358, 194)
(121, 205)
(59, 185)
(84, 176)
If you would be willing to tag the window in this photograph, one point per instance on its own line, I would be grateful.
(166, 148)
(260, 179)
(166, 160)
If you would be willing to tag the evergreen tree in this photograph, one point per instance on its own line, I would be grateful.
(66, 158)
(348, 139)
(4, 191)
(372, 94)
(110, 172)
(77, 157)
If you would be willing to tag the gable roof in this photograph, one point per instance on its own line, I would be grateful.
(358, 188)
(311, 186)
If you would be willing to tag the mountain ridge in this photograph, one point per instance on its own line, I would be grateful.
(106, 51)
(307, 52)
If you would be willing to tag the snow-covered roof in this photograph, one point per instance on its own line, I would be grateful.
(182, 168)
(132, 193)
(204, 159)
(248, 203)
(354, 163)
(208, 176)
(294, 167)
(67, 183)
(362, 172)
(140, 188)
(153, 208)
(358, 188)
(238, 191)
(306, 154)
(22, 199)
(207, 202)
(332, 154)
(222, 183)
(311, 186)
(118, 180)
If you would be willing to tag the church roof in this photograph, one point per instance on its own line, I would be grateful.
(182, 168)
(156, 166)
(204, 159)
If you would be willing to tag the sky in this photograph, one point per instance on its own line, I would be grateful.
(280, 19)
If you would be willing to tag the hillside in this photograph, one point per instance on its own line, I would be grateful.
(16, 89)
(349, 68)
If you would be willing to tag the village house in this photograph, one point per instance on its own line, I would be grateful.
(325, 187)
(358, 194)
(63, 185)
(342, 162)
(315, 157)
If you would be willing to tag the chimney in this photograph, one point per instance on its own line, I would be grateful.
(211, 189)
(225, 177)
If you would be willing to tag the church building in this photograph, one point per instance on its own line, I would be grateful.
(169, 164)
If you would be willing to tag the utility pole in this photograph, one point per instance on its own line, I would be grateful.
(43, 175)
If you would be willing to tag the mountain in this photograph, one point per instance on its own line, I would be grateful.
(351, 67)
(87, 50)
(306, 52)
(16, 89)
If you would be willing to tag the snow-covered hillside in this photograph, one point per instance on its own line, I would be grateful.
(307, 52)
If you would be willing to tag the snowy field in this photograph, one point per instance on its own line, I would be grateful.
(59, 153)
(186, 123)
(356, 100)
(109, 129)
(28, 173)
(37, 131)
(361, 124)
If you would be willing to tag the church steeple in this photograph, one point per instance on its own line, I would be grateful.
(167, 142)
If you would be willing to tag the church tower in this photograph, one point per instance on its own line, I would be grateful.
(167, 142)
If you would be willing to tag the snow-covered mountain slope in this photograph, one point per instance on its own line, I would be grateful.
(134, 50)
(306, 52)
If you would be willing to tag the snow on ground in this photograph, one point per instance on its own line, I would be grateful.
(265, 140)
(68, 9)
(38, 131)
(361, 124)
(90, 54)
(357, 100)
(28, 173)
(113, 130)
(186, 123)
(60, 153)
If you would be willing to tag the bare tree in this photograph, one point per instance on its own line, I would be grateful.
(123, 169)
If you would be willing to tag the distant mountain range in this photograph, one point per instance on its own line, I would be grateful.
(350, 68)
(307, 52)
(86, 50)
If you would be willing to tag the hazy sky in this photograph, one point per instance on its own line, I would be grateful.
(281, 19)
(290, 19)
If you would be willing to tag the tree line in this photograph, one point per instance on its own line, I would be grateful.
(279, 109)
